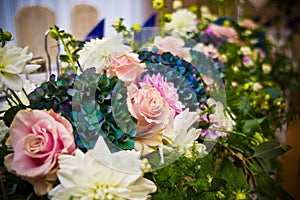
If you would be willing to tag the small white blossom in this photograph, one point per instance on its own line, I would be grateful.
(145, 165)
(246, 51)
(266, 68)
(257, 86)
(177, 4)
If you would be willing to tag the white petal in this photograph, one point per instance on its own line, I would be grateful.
(30, 68)
(12, 81)
(119, 160)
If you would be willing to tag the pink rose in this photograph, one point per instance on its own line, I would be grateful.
(222, 31)
(152, 113)
(173, 45)
(166, 90)
(38, 137)
(127, 68)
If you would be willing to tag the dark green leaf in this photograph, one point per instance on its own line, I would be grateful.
(217, 183)
(269, 189)
(233, 175)
(10, 115)
(270, 149)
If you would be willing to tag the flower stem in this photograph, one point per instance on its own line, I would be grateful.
(68, 53)
(162, 22)
(132, 40)
(220, 8)
(29, 197)
(16, 97)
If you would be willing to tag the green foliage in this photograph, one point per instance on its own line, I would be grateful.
(187, 178)
(70, 45)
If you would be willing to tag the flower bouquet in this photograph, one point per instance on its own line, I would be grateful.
(144, 114)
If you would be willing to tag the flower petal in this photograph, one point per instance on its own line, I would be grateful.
(12, 81)
(30, 68)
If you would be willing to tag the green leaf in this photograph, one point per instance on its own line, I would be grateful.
(252, 123)
(269, 189)
(270, 149)
(217, 183)
(234, 176)
(10, 115)
(207, 196)
(273, 92)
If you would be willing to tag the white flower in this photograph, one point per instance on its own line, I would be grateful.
(266, 68)
(12, 63)
(183, 24)
(181, 133)
(220, 119)
(246, 51)
(28, 87)
(177, 4)
(205, 13)
(99, 174)
(99, 53)
(257, 86)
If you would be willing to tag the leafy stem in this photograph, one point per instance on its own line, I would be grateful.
(58, 35)
(240, 156)
(68, 53)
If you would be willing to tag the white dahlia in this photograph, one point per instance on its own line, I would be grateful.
(99, 174)
(99, 53)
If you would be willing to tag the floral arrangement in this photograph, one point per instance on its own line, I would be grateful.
(190, 110)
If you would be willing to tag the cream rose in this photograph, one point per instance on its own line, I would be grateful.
(152, 113)
(127, 68)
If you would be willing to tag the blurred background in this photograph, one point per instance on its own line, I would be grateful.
(28, 18)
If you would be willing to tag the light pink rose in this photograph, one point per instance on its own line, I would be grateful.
(248, 23)
(166, 90)
(173, 45)
(127, 68)
(222, 31)
(151, 111)
(37, 138)
(208, 50)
